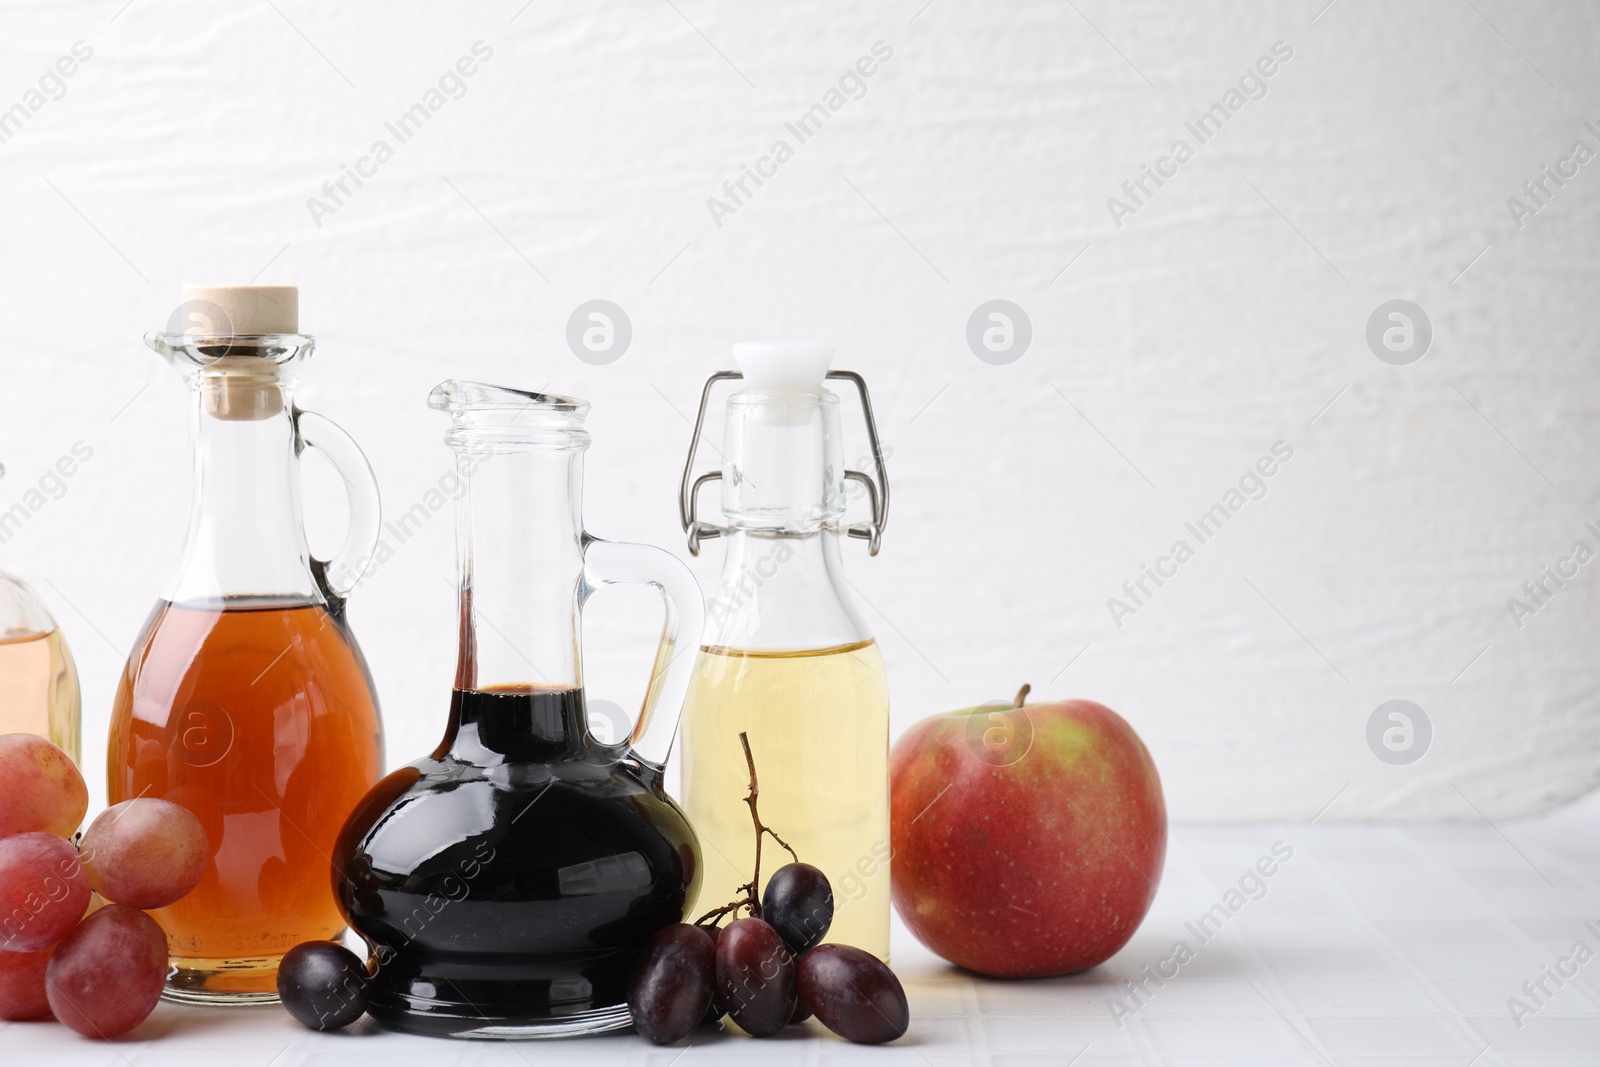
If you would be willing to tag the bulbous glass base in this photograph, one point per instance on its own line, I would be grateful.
(508, 883)
(448, 1023)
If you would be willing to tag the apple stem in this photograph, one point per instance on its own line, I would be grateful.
(1022, 695)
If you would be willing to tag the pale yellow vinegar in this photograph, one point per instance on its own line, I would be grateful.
(39, 689)
(818, 723)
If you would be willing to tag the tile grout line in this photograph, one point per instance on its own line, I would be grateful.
(977, 1036)
(1138, 1027)
(1409, 967)
(1519, 935)
(1270, 990)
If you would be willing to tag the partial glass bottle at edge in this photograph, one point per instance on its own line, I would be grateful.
(38, 679)
(508, 882)
(786, 657)
(246, 698)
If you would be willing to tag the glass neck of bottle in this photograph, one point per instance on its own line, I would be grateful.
(246, 531)
(525, 726)
(521, 561)
(783, 592)
(783, 586)
(781, 472)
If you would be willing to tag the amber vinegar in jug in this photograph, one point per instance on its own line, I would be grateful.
(246, 698)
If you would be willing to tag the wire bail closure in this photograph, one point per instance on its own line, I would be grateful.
(877, 492)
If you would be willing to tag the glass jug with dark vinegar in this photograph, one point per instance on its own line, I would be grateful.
(508, 882)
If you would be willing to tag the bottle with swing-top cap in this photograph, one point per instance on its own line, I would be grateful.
(786, 658)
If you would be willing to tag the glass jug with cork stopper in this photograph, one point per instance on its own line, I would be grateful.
(785, 656)
(246, 698)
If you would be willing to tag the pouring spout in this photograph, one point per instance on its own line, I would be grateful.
(464, 399)
(500, 419)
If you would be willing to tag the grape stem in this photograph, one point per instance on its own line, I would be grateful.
(749, 900)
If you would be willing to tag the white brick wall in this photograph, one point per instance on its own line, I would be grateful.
(1227, 312)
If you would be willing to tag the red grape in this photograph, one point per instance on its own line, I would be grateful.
(323, 985)
(43, 891)
(22, 985)
(44, 791)
(106, 977)
(799, 905)
(755, 977)
(672, 983)
(854, 994)
(145, 853)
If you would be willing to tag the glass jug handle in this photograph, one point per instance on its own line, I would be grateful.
(611, 562)
(338, 577)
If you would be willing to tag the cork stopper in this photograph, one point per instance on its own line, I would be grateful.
(240, 310)
(240, 388)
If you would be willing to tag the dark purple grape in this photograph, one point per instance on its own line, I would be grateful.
(716, 1011)
(854, 994)
(802, 1011)
(672, 983)
(799, 905)
(323, 985)
(755, 977)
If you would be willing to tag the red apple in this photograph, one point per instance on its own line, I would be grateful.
(1028, 841)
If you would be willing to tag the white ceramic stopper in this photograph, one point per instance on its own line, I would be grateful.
(776, 367)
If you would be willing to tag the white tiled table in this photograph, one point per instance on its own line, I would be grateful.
(1370, 945)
